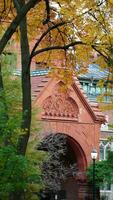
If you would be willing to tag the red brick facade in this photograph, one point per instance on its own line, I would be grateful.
(70, 113)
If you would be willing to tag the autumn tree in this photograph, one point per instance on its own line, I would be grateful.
(64, 32)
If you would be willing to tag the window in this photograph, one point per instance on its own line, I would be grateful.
(106, 186)
(105, 147)
(108, 148)
(85, 87)
(101, 152)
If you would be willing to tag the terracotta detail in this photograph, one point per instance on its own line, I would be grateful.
(60, 104)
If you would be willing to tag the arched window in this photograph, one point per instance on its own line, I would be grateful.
(105, 147)
(101, 151)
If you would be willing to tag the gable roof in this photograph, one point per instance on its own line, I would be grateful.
(94, 72)
(92, 107)
(40, 82)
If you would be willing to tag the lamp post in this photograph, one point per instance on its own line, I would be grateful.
(56, 196)
(94, 157)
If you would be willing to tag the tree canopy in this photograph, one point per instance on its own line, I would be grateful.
(73, 30)
(66, 35)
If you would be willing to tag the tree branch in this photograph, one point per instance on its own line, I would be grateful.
(48, 12)
(12, 28)
(94, 47)
(43, 35)
(60, 32)
(65, 47)
(16, 4)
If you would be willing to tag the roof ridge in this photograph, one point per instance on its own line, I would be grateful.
(97, 113)
(40, 86)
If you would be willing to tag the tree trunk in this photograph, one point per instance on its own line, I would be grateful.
(26, 88)
(26, 92)
(13, 26)
(26, 85)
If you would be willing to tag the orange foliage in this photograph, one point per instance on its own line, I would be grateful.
(87, 21)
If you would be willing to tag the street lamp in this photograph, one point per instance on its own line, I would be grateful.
(56, 196)
(94, 157)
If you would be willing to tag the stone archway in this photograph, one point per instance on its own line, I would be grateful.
(72, 184)
(79, 154)
(72, 157)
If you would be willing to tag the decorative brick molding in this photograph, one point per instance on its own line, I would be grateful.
(60, 105)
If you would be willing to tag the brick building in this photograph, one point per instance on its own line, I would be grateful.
(77, 115)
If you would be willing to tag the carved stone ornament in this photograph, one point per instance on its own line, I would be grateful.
(60, 104)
